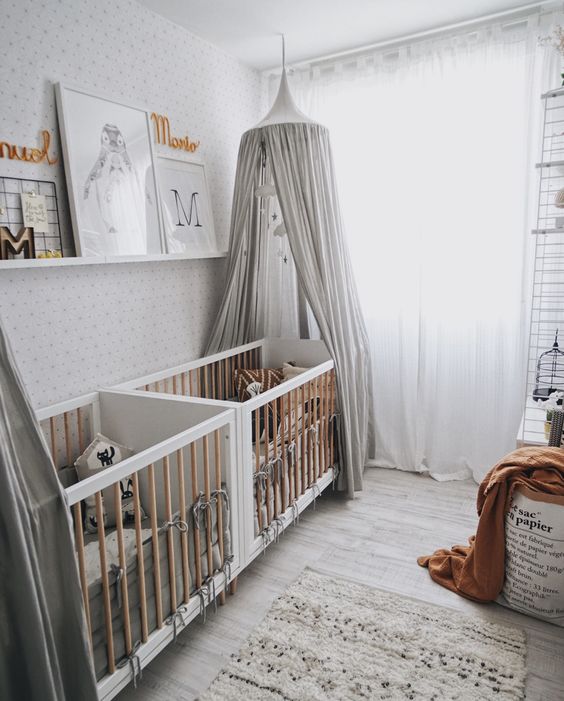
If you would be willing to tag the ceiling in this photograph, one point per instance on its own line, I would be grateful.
(248, 29)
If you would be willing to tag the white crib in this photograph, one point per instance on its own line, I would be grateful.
(143, 581)
(214, 497)
(282, 475)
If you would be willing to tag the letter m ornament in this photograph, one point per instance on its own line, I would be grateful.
(23, 241)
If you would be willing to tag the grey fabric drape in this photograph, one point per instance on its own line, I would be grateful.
(43, 645)
(297, 156)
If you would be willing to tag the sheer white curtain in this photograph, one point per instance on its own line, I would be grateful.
(434, 157)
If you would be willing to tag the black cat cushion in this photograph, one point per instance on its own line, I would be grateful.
(102, 454)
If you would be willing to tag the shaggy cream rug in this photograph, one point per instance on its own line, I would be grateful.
(325, 638)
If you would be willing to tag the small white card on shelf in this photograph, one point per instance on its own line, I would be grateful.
(34, 210)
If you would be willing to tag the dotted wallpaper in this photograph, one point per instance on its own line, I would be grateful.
(77, 328)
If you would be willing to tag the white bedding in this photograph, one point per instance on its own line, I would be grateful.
(92, 557)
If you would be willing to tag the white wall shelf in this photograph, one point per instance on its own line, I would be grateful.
(100, 260)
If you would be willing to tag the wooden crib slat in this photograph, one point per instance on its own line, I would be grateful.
(155, 544)
(227, 380)
(315, 440)
(174, 385)
(196, 532)
(105, 583)
(258, 489)
(274, 409)
(199, 382)
(322, 467)
(207, 492)
(79, 538)
(217, 462)
(331, 412)
(266, 413)
(296, 404)
(303, 440)
(310, 465)
(206, 370)
(68, 438)
(213, 383)
(169, 533)
(183, 517)
(53, 435)
(80, 430)
(327, 417)
(183, 383)
(123, 566)
(191, 382)
(231, 361)
(140, 559)
(220, 380)
(283, 436)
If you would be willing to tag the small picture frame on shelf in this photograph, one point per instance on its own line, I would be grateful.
(29, 217)
(186, 208)
(110, 172)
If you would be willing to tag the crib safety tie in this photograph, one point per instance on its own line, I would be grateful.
(277, 526)
(118, 573)
(223, 493)
(202, 593)
(226, 568)
(295, 513)
(316, 493)
(336, 471)
(267, 472)
(265, 535)
(315, 431)
(291, 450)
(134, 663)
(279, 463)
(175, 618)
(177, 523)
(200, 505)
(212, 595)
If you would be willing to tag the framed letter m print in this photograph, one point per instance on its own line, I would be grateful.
(187, 215)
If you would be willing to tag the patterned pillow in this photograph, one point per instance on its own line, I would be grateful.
(101, 454)
(249, 383)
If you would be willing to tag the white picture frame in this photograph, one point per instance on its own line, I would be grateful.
(111, 175)
(187, 214)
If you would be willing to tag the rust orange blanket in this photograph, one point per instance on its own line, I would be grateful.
(477, 570)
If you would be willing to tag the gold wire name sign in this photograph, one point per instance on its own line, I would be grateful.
(163, 135)
(30, 155)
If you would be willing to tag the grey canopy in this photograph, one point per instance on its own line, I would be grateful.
(43, 643)
(288, 158)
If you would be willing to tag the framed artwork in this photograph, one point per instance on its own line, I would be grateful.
(110, 172)
(187, 214)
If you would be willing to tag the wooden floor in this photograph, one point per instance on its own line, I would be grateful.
(374, 539)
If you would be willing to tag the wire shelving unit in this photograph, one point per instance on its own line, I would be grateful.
(547, 307)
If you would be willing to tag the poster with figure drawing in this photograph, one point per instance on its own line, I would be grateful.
(110, 174)
(187, 213)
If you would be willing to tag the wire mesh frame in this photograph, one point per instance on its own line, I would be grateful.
(11, 190)
(547, 293)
